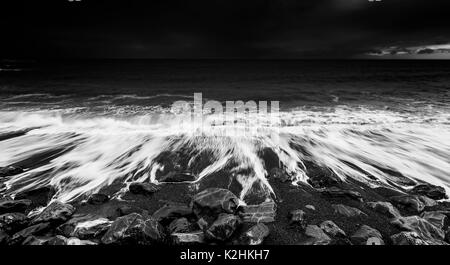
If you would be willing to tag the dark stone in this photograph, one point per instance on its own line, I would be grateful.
(279, 174)
(298, 217)
(68, 227)
(436, 218)
(34, 230)
(35, 241)
(431, 191)
(409, 203)
(256, 234)
(12, 222)
(56, 212)
(447, 235)
(127, 209)
(332, 229)
(177, 177)
(320, 176)
(172, 211)
(11, 206)
(4, 238)
(38, 197)
(213, 201)
(192, 238)
(223, 228)
(98, 198)
(181, 225)
(367, 235)
(424, 229)
(73, 241)
(316, 236)
(57, 241)
(385, 208)
(407, 238)
(335, 192)
(10, 171)
(347, 211)
(91, 229)
(143, 188)
(134, 229)
(262, 213)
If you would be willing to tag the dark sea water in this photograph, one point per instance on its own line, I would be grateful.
(80, 126)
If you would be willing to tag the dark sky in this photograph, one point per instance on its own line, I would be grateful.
(225, 29)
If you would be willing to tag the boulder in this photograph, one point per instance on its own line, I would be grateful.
(37, 229)
(57, 241)
(424, 229)
(320, 176)
(385, 208)
(35, 241)
(407, 238)
(4, 238)
(181, 225)
(347, 211)
(316, 236)
(10, 171)
(12, 222)
(128, 209)
(12, 206)
(97, 199)
(223, 228)
(431, 191)
(335, 192)
(143, 188)
(435, 218)
(409, 203)
(172, 211)
(279, 174)
(134, 229)
(298, 217)
(256, 234)
(39, 197)
(332, 229)
(367, 235)
(196, 237)
(73, 241)
(261, 213)
(174, 177)
(427, 202)
(56, 212)
(213, 201)
(91, 229)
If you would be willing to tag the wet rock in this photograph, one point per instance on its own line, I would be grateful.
(310, 207)
(427, 231)
(12, 222)
(256, 234)
(367, 235)
(427, 202)
(223, 228)
(321, 176)
(447, 236)
(196, 237)
(127, 209)
(55, 212)
(435, 218)
(68, 227)
(143, 188)
(97, 199)
(134, 229)
(34, 230)
(385, 208)
(73, 241)
(181, 225)
(177, 177)
(4, 238)
(409, 203)
(172, 211)
(12, 206)
(407, 238)
(57, 241)
(91, 229)
(335, 192)
(213, 201)
(35, 241)
(332, 229)
(262, 213)
(347, 210)
(203, 224)
(316, 236)
(38, 197)
(10, 171)
(279, 174)
(298, 217)
(431, 191)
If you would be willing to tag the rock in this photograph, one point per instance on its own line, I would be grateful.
(321, 176)
(367, 235)
(310, 207)
(4, 238)
(427, 202)
(435, 218)
(347, 210)
(127, 209)
(11, 206)
(213, 201)
(424, 229)
(39, 197)
(97, 199)
(409, 203)
(332, 229)
(134, 229)
(12, 222)
(196, 237)
(298, 217)
(385, 208)
(316, 236)
(203, 224)
(181, 225)
(73, 241)
(35, 241)
(37, 229)
(335, 192)
(177, 177)
(407, 238)
(279, 174)
(262, 213)
(223, 228)
(10, 171)
(143, 188)
(256, 234)
(67, 229)
(57, 241)
(55, 212)
(91, 229)
(172, 211)
(431, 191)
(447, 236)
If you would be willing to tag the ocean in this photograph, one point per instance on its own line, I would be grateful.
(81, 126)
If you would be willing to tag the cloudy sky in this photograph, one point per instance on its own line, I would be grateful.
(289, 29)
